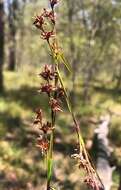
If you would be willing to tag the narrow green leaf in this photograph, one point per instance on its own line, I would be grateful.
(66, 63)
(66, 95)
(49, 172)
(50, 159)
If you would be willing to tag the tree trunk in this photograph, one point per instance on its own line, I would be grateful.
(87, 84)
(72, 48)
(102, 152)
(13, 6)
(21, 35)
(1, 44)
(118, 85)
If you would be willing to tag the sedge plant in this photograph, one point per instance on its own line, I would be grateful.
(53, 86)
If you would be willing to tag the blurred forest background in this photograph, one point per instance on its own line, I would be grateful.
(89, 32)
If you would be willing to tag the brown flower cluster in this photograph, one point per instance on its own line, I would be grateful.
(42, 144)
(91, 179)
(91, 182)
(54, 104)
(46, 18)
(54, 93)
(48, 73)
(45, 128)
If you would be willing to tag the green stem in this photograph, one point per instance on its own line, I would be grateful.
(50, 152)
(50, 161)
(80, 140)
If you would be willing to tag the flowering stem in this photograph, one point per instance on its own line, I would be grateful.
(80, 140)
(50, 151)
(48, 75)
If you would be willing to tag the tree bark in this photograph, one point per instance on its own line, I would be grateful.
(118, 85)
(87, 84)
(22, 34)
(102, 152)
(12, 34)
(1, 44)
(72, 48)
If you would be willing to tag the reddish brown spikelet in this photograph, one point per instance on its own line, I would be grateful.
(38, 118)
(84, 164)
(48, 73)
(55, 106)
(59, 92)
(47, 35)
(91, 183)
(43, 144)
(49, 15)
(47, 88)
(39, 21)
(46, 127)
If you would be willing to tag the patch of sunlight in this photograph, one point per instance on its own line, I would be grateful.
(95, 98)
(86, 110)
(3, 105)
(8, 151)
(11, 79)
(102, 101)
(117, 108)
(104, 79)
(15, 109)
(112, 105)
(14, 80)
(108, 104)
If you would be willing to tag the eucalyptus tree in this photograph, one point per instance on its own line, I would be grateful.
(12, 21)
(1, 43)
(93, 36)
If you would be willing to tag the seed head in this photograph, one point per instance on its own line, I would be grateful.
(47, 35)
(55, 105)
(50, 15)
(39, 21)
(43, 144)
(46, 127)
(59, 92)
(91, 183)
(38, 118)
(47, 88)
(48, 73)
